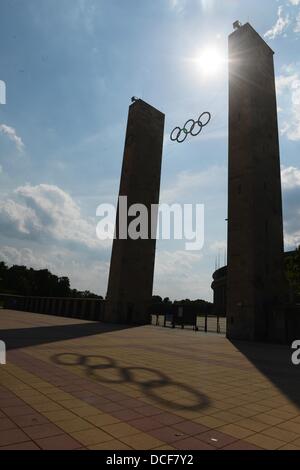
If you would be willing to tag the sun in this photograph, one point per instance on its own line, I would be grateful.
(210, 61)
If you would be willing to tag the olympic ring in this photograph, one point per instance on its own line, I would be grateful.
(148, 385)
(179, 135)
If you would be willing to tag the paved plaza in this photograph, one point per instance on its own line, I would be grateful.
(73, 384)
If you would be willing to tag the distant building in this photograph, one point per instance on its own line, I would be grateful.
(219, 287)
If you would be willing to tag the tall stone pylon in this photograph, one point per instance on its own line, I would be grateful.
(130, 282)
(255, 281)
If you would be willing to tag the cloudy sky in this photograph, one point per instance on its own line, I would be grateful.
(71, 67)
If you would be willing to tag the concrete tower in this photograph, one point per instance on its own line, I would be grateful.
(132, 263)
(255, 282)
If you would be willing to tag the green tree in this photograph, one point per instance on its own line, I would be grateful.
(292, 269)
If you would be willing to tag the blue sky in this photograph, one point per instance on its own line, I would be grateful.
(71, 67)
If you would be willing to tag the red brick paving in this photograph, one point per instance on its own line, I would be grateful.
(146, 424)
(29, 445)
(192, 444)
(12, 436)
(190, 428)
(6, 423)
(241, 445)
(41, 431)
(30, 420)
(168, 434)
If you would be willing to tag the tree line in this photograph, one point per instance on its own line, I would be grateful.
(20, 280)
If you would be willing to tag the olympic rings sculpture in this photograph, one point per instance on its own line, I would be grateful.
(191, 127)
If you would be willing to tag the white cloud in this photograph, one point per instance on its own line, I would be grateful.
(25, 257)
(11, 133)
(18, 219)
(295, 2)
(177, 6)
(177, 275)
(219, 246)
(290, 178)
(280, 26)
(285, 81)
(291, 195)
(46, 212)
(207, 4)
(49, 231)
(84, 13)
(288, 88)
(297, 24)
(186, 182)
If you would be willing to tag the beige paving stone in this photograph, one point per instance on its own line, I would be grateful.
(258, 408)
(290, 447)
(252, 424)
(210, 410)
(267, 419)
(72, 403)
(120, 430)
(110, 445)
(226, 416)
(73, 425)
(285, 415)
(296, 442)
(164, 447)
(85, 411)
(221, 405)
(100, 420)
(281, 434)
(210, 422)
(142, 441)
(60, 396)
(48, 406)
(296, 420)
(60, 415)
(190, 414)
(37, 400)
(90, 437)
(236, 431)
(265, 442)
(244, 412)
(290, 426)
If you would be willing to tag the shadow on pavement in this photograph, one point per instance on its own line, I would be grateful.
(275, 363)
(25, 337)
(150, 381)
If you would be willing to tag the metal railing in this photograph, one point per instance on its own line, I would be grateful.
(85, 309)
(205, 323)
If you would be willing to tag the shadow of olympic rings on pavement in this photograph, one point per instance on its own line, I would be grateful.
(149, 386)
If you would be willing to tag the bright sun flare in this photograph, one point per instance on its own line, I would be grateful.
(210, 61)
